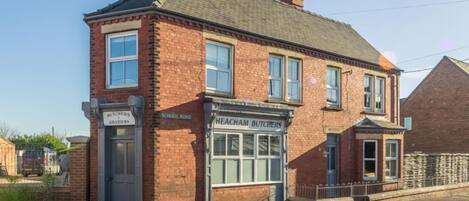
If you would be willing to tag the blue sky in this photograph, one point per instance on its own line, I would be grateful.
(44, 65)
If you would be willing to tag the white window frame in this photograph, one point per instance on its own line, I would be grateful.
(391, 158)
(378, 95)
(337, 88)
(282, 70)
(300, 70)
(370, 93)
(375, 159)
(408, 123)
(110, 60)
(241, 159)
(215, 68)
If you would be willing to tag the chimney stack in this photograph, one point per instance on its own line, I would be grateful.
(297, 3)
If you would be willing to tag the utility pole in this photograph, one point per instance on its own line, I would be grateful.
(53, 131)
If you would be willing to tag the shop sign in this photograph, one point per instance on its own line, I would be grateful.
(238, 123)
(175, 116)
(118, 118)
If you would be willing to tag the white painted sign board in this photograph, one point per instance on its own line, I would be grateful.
(118, 118)
(238, 123)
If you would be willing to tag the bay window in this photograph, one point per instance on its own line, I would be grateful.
(246, 158)
(392, 161)
(370, 159)
(122, 60)
(218, 64)
(333, 87)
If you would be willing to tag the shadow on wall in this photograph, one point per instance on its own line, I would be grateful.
(311, 166)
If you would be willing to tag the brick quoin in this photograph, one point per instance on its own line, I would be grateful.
(172, 80)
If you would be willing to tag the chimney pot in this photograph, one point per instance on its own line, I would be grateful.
(297, 3)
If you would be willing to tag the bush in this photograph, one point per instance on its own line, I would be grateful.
(18, 192)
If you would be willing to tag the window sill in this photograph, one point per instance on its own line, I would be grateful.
(246, 184)
(333, 108)
(374, 113)
(299, 104)
(131, 88)
(219, 95)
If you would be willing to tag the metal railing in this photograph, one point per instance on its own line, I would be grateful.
(356, 189)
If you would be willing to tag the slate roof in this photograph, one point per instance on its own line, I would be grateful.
(269, 18)
(378, 124)
(461, 64)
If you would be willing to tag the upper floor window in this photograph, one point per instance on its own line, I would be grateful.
(368, 92)
(122, 60)
(374, 94)
(218, 63)
(275, 77)
(379, 94)
(284, 84)
(408, 123)
(333, 87)
(294, 81)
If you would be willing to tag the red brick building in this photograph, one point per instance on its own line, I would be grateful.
(234, 100)
(438, 110)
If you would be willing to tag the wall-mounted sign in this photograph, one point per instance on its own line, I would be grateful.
(175, 116)
(118, 118)
(238, 123)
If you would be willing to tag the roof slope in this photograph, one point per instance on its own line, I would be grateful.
(270, 18)
(461, 64)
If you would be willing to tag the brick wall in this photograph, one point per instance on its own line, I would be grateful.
(439, 110)
(172, 80)
(79, 170)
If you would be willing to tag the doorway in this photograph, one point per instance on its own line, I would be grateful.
(121, 164)
(332, 159)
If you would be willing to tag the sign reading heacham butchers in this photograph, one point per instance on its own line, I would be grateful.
(118, 118)
(238, 123)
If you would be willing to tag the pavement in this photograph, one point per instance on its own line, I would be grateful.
(463, 196)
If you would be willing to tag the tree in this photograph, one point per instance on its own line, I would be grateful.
(7, 131)
(38, 141)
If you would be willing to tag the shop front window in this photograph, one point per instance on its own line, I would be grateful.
(246, 158)
(370, 160)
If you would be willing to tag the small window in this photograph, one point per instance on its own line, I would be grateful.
(379, 100)
(218, 67)
(275, 77)
(392, 158)
(333, 87)
(294, 81)
(370, 160)
(368, 92)
(408, 123)
(122, 62)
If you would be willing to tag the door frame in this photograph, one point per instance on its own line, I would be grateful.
(135, 105)
(336, 144)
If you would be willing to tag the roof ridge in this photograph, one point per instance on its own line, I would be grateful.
(312, 13)
(111, 6)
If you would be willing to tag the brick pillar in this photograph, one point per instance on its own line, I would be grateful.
(79, 168)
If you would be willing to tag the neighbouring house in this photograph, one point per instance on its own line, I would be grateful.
(436, 113)
(235, 100)
(7, 156)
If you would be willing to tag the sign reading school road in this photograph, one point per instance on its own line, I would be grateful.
(118, 118)
(238, 123)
